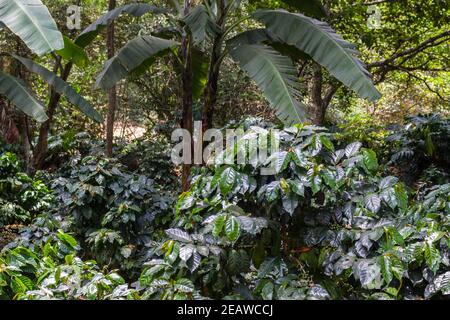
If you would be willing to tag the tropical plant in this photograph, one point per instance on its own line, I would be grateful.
(21, 197)
(419, 144)
(325, 215)
(32, 22)
(200, 36)
(53, 271)
(150, 157)
(113, 212)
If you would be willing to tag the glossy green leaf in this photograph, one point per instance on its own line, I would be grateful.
(227, 180)
(232, 229)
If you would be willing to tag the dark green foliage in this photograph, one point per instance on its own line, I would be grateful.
(21, 197)
(68, 144)
(326, 224)
(150, 158)
(422, 142)
(54, 271)
(111, 210)
(326, 216)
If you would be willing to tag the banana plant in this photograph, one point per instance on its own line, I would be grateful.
(32, 22)
(205, 32)
(260, 52)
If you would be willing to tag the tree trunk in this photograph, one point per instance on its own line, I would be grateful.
(42, 144)
(211, 89)
(317, 107)
(321, 96)
(8, 127)
(186, 121)
(112, 96)
(25, 137)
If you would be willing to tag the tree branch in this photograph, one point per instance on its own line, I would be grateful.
(431, 42)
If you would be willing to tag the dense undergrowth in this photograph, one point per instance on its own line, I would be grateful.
(338, 219)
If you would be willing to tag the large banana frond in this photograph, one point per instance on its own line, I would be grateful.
(266, 37)
(31, 21)
(135, 57)
(324, 45)
(62, 87)
(134, 9)
(17, 92)
(200, 24)
(274, 74)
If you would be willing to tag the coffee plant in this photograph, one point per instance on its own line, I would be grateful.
(325, 224)
(114, 212)
(21, 197)
(420, 144)
(54, 271)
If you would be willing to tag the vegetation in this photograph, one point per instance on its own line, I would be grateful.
(351, 202)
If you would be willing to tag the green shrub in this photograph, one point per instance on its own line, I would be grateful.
(53, 271)
(325, 225)
(21, 197)
(112, 212)
(423, 142)
(152, 159)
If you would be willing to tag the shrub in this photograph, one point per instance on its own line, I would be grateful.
(21, 197)
(112, 211)
(53, 271)
(423, 142)
(325, 225)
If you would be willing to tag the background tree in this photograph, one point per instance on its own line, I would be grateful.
(112, 95)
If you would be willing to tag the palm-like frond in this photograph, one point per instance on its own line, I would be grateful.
(31, 21)
(134, 9)
(324, 45)
(62, 87)
(275, 75)
(17, 92)
(200, 24)
(136, 56)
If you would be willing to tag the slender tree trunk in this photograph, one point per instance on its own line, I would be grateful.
(26, 142)
(8, 126)
(112, 95)
(321, 96)
(317, 108)
(211, 89)
(42, 144)
(187, 96)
